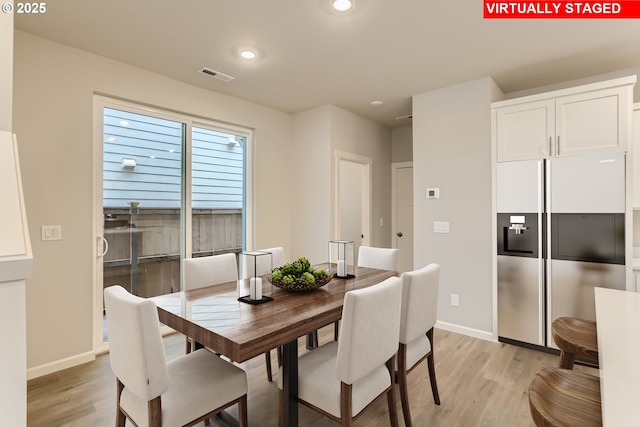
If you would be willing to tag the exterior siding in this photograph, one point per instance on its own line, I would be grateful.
(156, 146)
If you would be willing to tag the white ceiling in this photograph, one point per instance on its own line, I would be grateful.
(308, 55)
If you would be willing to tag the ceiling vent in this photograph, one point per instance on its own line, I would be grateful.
(216, 74)
(409, 117)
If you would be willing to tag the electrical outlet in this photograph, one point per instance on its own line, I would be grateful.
(455, 300)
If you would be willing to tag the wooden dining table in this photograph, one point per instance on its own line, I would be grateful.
(213, 317)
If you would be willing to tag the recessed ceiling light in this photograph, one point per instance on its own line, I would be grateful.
(248, 54)
(376, 103)
(341, 5)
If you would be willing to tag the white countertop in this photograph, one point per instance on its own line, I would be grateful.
(618, 323)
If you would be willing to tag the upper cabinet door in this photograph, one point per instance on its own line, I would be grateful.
(593, 122)
(524, 131)
(588, 119)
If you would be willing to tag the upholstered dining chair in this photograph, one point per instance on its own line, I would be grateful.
(340, 379)
(381, 258)
(208, 271)
(372, 257)
(419, 310)
(277, 260)
(154, 393)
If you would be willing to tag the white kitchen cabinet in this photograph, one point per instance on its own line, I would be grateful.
(594, 118)
(524, 131)
(636, 278)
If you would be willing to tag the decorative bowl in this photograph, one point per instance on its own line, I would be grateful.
(299, 276)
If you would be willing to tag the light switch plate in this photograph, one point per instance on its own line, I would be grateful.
(440, 226)
(51, 232)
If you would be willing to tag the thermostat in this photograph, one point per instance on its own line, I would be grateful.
(433, 193)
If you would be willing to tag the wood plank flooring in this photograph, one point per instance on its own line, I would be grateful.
(481, 384)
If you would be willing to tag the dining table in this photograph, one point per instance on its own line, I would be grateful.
(618, 326)
(213, 317)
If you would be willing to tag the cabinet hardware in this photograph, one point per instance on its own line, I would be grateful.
(558, 146)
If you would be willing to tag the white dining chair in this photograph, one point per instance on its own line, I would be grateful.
(340, 379)
(154, 393)
(419, 312)
(381, 258)
(373, 257)
(208, 271)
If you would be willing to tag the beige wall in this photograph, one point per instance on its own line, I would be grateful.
(53, 117)
(354, 134)
(402, 144)
(457, 159)
(310, 177)
(317, 134)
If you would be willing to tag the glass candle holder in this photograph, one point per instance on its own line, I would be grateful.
(342, 258)
(254, 286)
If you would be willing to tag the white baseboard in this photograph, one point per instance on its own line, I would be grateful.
(463, 330)
(59, 365)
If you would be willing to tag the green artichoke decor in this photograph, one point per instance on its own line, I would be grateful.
(299, 275)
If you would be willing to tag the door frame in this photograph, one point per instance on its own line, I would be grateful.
(99, 102)
(367, 205)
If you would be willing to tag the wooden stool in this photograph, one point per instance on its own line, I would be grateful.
(563, 398)
(575, 337)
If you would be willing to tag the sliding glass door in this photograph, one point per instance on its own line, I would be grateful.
(167, 187)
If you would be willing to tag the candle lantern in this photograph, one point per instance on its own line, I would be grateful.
(341, 258)
(254, 286)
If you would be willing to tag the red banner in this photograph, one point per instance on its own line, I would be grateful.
(624, 9)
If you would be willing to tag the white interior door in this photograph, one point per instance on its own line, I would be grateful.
(402, 214)
(353, 198)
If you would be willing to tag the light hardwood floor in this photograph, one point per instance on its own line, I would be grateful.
(481, 384)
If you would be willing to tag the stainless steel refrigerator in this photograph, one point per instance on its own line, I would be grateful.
(560, 233)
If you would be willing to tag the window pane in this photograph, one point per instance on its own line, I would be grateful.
(217, 174)
(142, 172)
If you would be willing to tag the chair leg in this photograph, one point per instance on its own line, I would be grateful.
(402, 384)
(120, 417)
(345, 405)
(187, 347)
(242, 412)
(567, 360)
(279, 354)
(155, 412)
(267, 359)
(391, 397)
(432, 369)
